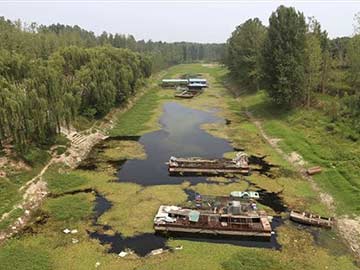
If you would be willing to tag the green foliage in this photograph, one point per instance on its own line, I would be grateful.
(61, 140)
(247, 260)
(354, 61)
(63, 182)
(320, 141)
(17, 255)
(312, 65)
(244, 49)
(49, 75)
(69, 208)
(284, 55)
(36, 155)
(134, 121)
(8, 195)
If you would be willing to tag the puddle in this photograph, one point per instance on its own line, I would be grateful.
(144, 243)
(141, 244)
(265, 167)
(272, 200)
(101, 206)
(325, 238)
(180, 136)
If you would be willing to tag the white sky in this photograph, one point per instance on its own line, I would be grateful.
(179, 20)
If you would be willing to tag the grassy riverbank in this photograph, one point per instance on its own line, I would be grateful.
(133, 206)
(312, 134)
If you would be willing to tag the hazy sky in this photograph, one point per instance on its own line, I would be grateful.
(179, 20)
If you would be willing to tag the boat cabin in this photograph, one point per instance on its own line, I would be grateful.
(197, 83)
(174, 82)
(227, 222)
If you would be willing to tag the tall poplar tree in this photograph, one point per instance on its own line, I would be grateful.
(244, 53)
(284, 57)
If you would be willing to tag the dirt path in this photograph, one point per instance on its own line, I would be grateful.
(35, 192)
(349, 228)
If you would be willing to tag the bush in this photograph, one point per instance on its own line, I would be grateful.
(36, 156)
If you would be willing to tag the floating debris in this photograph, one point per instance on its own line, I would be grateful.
(122, 254)
(157, 251)
(97, 264)
(74, 231)
(66, 231)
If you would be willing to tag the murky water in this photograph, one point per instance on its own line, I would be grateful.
(141, 244)
(101, 206)
(180, 136)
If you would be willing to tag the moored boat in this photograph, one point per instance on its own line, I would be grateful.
(311, 219)
(222, 222)
(209, 166)
(185, 94)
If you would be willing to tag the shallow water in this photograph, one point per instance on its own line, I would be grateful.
(101, 206)
(180, 136)
(143, 244)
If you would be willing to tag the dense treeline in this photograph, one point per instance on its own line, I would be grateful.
(297, 64)
(38, 96)
(41, 41)
(51, 75)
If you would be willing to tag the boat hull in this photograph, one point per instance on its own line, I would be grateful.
(203, 232)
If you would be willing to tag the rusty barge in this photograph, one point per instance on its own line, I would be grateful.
(185, 94)
(311, 219)
(239, 164)
(220, 222)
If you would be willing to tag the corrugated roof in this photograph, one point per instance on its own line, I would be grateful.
(197, 80)
(174, 80)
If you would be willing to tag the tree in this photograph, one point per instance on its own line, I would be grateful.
(244, 56)
(284, 57)
(313, 59)
(353, 55)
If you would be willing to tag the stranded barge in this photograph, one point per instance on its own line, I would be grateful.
(229, 221)
(310, 219)
(186, 94)
(209, 166)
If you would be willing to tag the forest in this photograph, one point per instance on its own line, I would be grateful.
(50, 75)
(298, 65)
